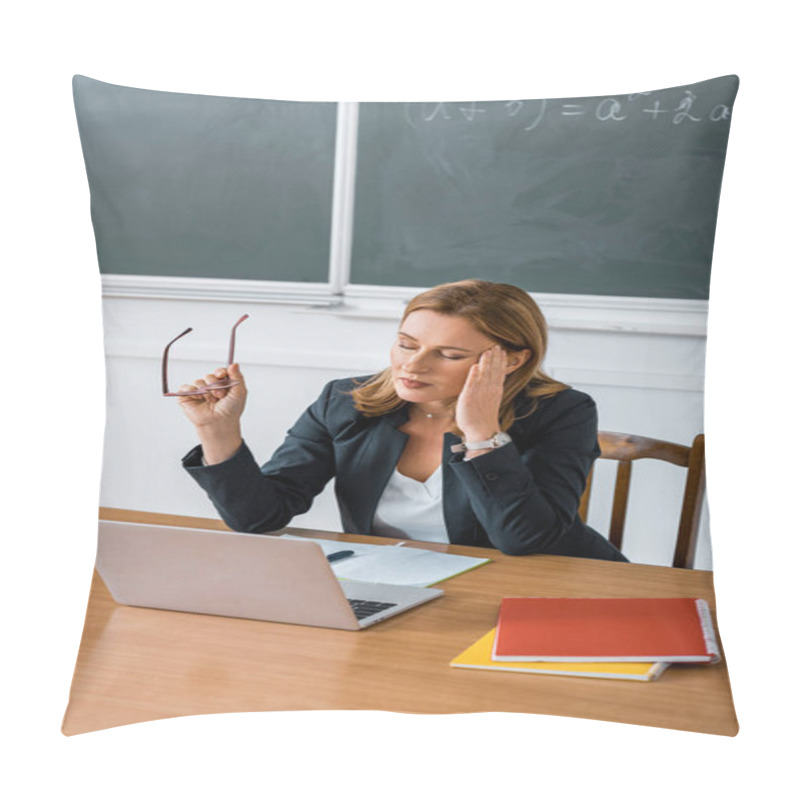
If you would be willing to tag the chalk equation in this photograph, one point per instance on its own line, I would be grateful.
(685, 109)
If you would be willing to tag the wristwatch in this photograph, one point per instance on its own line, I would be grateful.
(498, 440)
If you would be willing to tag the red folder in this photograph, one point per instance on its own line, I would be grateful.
(603, 629)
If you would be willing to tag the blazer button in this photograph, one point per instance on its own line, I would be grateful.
(491, 476)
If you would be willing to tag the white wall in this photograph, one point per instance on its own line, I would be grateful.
(641, 360)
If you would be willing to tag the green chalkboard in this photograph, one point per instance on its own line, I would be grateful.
(202, 186)
(613, 195)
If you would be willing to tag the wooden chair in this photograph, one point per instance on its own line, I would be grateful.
(627, 448)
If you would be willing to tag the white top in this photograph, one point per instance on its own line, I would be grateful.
(410, 509)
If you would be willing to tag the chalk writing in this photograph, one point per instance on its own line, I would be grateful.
(670, 106)
(539, 117)
(684, 108)
(471, 111)
(609, 109)
(439, 108)
(656, 109)
(720, 112)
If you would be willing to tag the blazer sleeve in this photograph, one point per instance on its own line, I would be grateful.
(255, 499)
(526, 494)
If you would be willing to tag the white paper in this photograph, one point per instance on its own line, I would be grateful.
(402, 566)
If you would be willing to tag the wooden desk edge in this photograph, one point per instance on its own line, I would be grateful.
(177, 520)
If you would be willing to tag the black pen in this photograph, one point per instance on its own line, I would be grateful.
(340, 555)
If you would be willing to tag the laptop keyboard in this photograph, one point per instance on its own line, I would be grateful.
(366, 608)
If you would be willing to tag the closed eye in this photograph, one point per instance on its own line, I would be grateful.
(440, 354)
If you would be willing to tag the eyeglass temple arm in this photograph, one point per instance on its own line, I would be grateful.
(233, 337)
(164, 388)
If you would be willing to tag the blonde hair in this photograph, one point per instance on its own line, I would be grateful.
(503, 313)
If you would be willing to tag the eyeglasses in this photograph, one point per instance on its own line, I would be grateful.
(224, 384)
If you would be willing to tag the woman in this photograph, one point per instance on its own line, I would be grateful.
(462, 439)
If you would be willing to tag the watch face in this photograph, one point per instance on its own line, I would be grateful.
(500, 439)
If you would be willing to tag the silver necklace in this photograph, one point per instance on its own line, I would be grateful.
(448, 414)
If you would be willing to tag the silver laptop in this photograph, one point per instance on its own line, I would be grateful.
(246, 575)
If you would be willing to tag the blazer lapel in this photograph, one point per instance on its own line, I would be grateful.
(383, 450)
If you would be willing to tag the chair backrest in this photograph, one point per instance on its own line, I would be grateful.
(626, 448)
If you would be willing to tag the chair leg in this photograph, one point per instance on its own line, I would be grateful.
(583, 508)
(686, 545)
(620, 507)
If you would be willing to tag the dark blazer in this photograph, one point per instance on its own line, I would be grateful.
(522, 498)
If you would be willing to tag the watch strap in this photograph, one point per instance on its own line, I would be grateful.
(498, 440)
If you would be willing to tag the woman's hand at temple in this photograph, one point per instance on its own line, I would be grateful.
(216, 413)
(478, 405)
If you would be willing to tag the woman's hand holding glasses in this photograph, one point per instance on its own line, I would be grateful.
(213, 404)
(216, 412)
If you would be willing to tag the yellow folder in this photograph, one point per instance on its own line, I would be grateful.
(479, 656)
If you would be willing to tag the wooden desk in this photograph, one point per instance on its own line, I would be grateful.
(138, 664)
